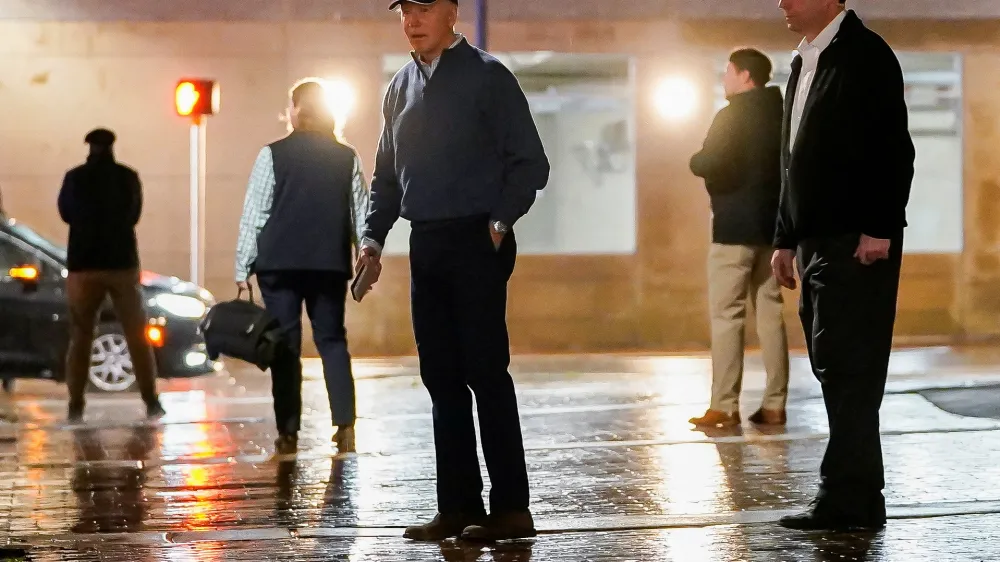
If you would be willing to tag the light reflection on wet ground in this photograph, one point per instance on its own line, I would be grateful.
(617, 473)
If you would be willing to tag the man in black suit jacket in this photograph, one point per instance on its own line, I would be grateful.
(847, 164)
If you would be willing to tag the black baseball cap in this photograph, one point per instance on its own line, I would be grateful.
(395, 3)
(100, 137)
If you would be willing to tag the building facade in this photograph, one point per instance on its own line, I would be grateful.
(614, 252)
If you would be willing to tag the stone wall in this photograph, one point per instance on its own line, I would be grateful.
(500, 10)
(59, 79)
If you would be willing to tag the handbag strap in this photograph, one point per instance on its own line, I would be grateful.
(239, 293)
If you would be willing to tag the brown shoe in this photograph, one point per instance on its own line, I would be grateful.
(155, 411)
(764, 416)
(443, 527)
(502, 527)
(8, 414)
(715, 418)
(344, 439)
(285, 448)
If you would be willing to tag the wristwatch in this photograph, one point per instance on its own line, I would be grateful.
(499, 227)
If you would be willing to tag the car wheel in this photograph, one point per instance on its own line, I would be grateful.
(8, 385)
(111, 363)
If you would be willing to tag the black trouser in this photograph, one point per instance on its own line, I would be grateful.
(458, 285)
(324, 294)
(848, 310)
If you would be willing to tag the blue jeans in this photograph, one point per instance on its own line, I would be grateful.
(324, 294)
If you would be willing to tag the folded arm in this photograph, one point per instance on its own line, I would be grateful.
(721, 159)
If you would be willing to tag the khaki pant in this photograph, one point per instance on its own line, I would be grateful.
(737, 274)
(8, 411)
(86, 291)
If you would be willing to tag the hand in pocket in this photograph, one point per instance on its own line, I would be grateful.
(496, 237)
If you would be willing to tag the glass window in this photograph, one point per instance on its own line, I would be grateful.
(13, 255)
(583, 107)
(27, 234)
(933, 83)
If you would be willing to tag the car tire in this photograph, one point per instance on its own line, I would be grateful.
(111, 367)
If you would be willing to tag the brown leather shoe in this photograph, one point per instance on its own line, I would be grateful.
(715, 418)
(9, 414)
(285, 448)
(764, 416)
(502, 527)
(344, 439)
(443, 526)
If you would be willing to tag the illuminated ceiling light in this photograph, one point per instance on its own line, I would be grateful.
(676, 98)
(340, 99)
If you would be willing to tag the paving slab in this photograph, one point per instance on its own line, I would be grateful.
(616, 471)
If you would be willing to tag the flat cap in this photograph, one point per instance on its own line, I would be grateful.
(100, 137)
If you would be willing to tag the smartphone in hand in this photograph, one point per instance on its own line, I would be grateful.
(362, 283)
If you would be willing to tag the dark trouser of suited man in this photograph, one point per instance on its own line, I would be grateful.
(847, 162)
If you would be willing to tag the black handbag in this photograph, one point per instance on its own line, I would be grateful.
(242, 330)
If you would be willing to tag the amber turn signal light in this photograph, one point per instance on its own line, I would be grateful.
(24, 273)
(154, 335)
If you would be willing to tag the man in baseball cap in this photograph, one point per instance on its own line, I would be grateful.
(430, 27)
(461, 159)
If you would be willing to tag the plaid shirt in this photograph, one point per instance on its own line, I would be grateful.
(260, 197)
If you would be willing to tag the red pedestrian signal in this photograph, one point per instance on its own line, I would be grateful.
(195, 97)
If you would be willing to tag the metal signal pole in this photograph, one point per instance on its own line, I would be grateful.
(481, 32)
(197, 202)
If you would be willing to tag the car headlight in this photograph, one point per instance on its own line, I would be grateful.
(179, 305)
(206, 296)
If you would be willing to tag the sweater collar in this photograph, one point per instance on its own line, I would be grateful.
(430, 66)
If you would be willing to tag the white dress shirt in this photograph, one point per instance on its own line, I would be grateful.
(810, 53)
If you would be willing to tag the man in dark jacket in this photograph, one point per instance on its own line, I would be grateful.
(847, 159)
(461, 159)
(301, 222)
(101, 201)
(740, 162)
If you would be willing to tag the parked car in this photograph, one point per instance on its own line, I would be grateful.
(34, 328)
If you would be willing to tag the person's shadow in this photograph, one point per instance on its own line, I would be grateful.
(339, 507)
(847, 547)
(462, 551)
(108, 484)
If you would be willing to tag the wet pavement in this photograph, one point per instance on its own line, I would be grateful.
(617, 473)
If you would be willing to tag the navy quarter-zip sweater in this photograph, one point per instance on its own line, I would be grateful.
(459, 144)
